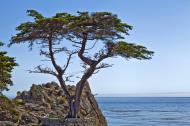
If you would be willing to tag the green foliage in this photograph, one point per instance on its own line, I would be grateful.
(130, 50)
(99, 25)
(9, 106)
(35, 14)
(103, 26)
(6, 66)
(4, 99)
(18, 102)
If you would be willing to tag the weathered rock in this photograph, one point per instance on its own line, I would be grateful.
(26, 118)
(48, 101)
(7, 123)
(70, 122)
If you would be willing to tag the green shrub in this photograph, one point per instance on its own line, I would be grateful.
(9, 106)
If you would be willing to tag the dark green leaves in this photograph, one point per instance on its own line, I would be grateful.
(98, 26)
(35, 14)
(82, 28)
(131, 50)
(6, 66)
(42, 28)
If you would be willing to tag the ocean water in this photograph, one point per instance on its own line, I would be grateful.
(146, 111)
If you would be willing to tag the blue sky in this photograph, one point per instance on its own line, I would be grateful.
(163, 26)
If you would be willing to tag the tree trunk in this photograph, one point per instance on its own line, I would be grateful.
(79, 89)
(71, 99)
(63, 86)
(71, 113)
(74, 103)
(80, 86)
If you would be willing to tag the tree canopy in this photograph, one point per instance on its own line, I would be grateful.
(82, 30)
(6, 66)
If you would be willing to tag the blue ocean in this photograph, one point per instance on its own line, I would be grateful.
(146, 111)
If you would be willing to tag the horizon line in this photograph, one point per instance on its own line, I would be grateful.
(156, 94)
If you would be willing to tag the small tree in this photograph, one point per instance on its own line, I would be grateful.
(100, 28)
(6, 66)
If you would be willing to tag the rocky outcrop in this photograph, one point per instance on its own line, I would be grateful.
(70, 122)
(47, 101)
(7, 123)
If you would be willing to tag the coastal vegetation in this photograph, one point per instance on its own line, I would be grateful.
(7, 64)
(84, 31)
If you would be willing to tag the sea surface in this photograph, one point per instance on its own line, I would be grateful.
(146, 111)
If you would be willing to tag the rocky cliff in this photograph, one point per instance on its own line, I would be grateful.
(48, 101)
